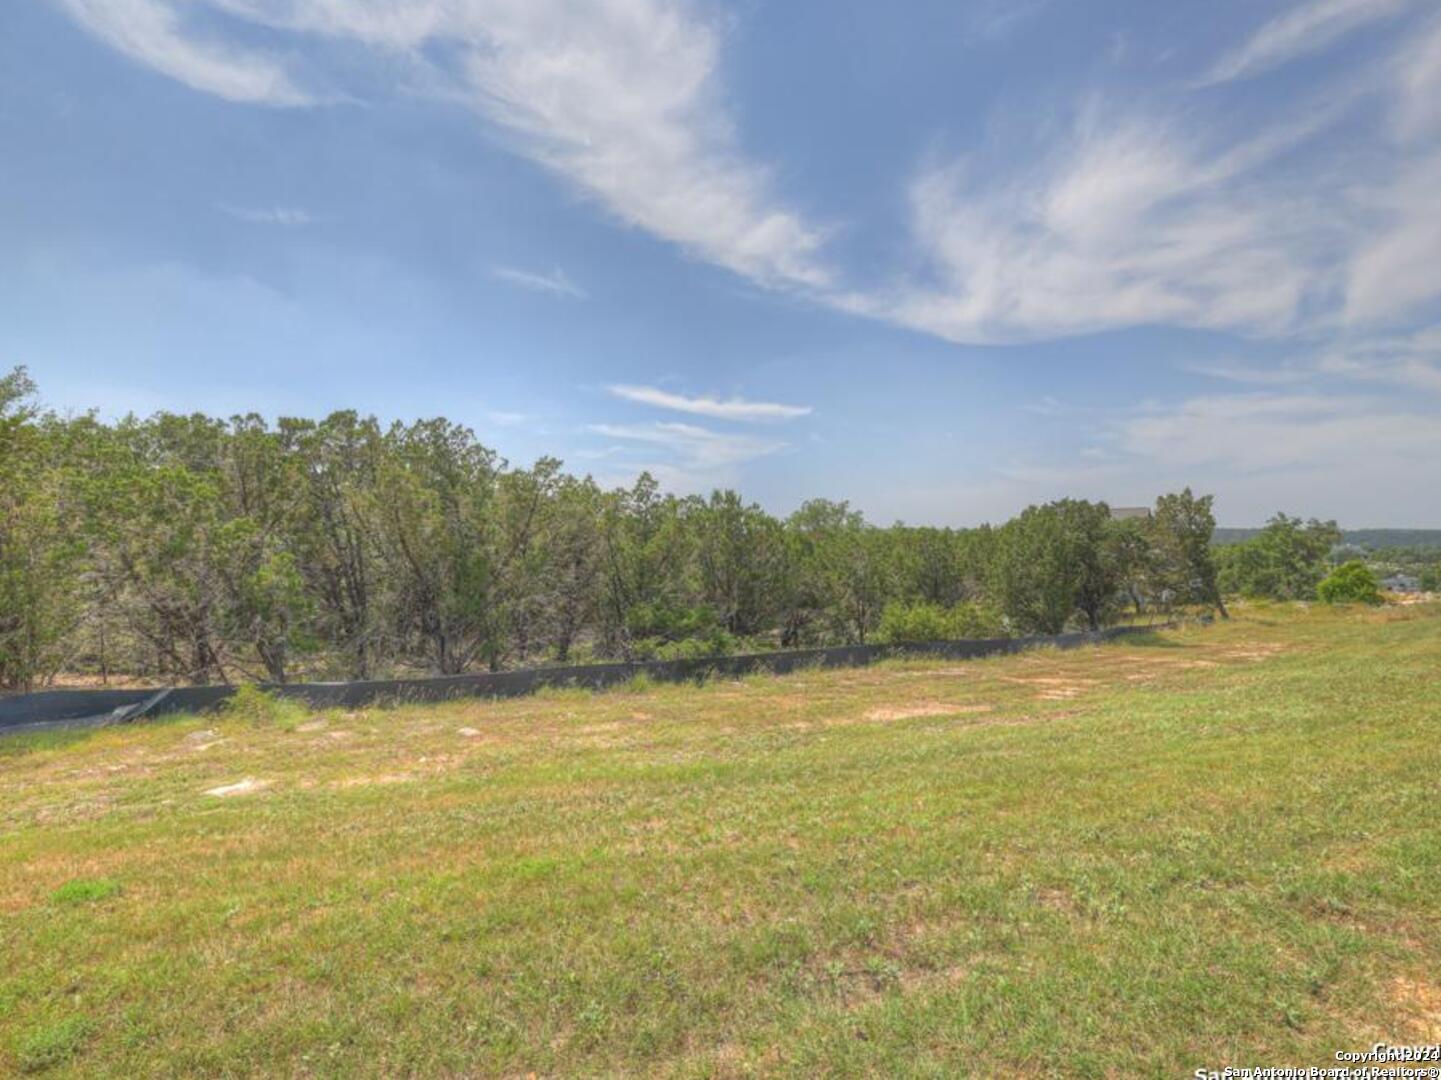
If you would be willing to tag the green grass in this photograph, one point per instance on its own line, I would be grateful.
(53, 1045)
(82, 891)
(1207, 846)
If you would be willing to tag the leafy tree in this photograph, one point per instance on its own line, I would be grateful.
(266, 603)
(846, 565)
(644, 558)
(519, 559)
(40, 558)
(1431, 578)
(739, 558)
(1181, 560)
(1056, 559)
(1350, 583)
(1089, 539)
(430, 511)
(333, 536)
(571, 539)
(930, 565)
(1285, 561)
(1035, 581)
(1138, 572)
(158, 527)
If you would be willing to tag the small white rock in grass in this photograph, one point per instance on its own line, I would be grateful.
(241, 787)
(468, 732)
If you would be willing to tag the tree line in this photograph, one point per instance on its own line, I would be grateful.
(191, 548)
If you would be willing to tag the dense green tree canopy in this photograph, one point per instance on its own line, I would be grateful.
(189, 548)
(1285, 561)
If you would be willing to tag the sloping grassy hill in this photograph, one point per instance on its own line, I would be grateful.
(1216, 846)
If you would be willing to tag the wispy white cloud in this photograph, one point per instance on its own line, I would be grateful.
(1361, 457)
(1049, 405)
(1393, 272)
(556, 282)
(1135, 215)
(695, 447)
(1250, 374)
(598, 453)
(1128, 222)
(153, 33)
(1411, 361)
(989, 21)
(502, 418)
(287, 216)
(1305, 28)
(622, 99)
(1239, 434)
(728, 409)
(1417, 112)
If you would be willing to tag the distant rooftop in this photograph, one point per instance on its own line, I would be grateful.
(1128, 513)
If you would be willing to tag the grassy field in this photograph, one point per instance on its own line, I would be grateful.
(1218, 845)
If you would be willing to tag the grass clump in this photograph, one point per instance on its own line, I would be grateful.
(640, 683)
(86, 891)
(53, 1044)
(562, 692)
(259, 708)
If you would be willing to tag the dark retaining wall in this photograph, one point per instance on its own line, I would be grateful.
(92, 708)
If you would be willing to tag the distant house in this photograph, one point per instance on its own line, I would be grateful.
(1129, 513)
(1402, 583)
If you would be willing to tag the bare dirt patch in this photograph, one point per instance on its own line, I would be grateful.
(933, 708)
(1060, 900)
(944, 672)
(248, 786)
(372, 781)
(1055, 688)
(1261, 650)
(1419, 1000)
(201, 740)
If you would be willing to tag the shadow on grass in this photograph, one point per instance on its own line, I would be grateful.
(1153, 639)
(21, 743)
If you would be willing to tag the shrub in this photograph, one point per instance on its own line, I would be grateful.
(912, 622)
(639, 683)
(252, 704)
(930, 622)
(716, 643)
(1350, 583)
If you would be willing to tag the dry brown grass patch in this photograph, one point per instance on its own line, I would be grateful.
(1418, 999)
(373, 781)
(931, 708)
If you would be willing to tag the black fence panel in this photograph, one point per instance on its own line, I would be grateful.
(92, 708)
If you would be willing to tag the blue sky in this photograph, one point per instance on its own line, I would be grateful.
(940, 259)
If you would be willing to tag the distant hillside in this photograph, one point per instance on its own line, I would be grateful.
(1373, 539)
